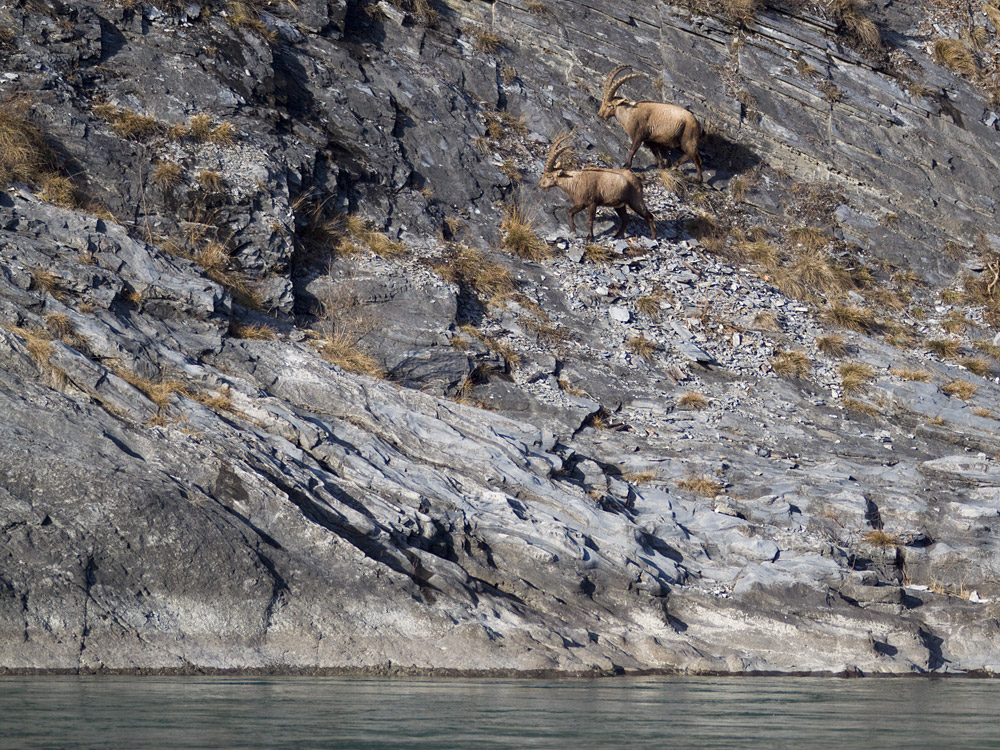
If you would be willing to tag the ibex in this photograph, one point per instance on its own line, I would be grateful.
(660, 126)
(592, 187)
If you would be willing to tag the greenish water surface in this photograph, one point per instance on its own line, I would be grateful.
(338, 712)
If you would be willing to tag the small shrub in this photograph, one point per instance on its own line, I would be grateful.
(200, 128)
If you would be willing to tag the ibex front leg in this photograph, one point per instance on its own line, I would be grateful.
(636, 143)
(573, 211)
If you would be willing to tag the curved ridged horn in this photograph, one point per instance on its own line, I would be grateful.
(611, 86)
(557, 151)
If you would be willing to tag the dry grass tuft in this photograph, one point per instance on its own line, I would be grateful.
(904, 373)
(702, 485)
(673, 182)
(520, 236)
(766, 321)
(962, 389)
(855, 376)
(852, 317)
(491, 282)
(25, 156)
(129, 124)
(60, 326)
(639, 477)
(251, 331)
(984, 413)
(832, 345)
(343, 349)
(642, 347)
(976, 365)
(955, 55)
(167, 175)
(692, 400)
(487, 40)
(648, 305)
(881, 538)
(944, 348)
(859, 407)
(597, 254)
(211, 181)
(791, 364)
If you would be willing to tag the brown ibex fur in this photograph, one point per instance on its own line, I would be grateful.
(660, 126)
(593, 187)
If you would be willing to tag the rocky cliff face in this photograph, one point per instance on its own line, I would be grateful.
(300, 370)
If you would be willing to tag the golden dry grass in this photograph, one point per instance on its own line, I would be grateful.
(944, 348)
(641, 347)
(343, 348)
(26, 157)
(486, 40)
(703, 485)
(692, 400)
(648, 305)
(976, 365)
(520, 237)
(129, 124)
(251, 331)
(167, 174)
(210, 180)
(597, 254)
(639, 477)
(491, 282)
(955, 55)
(832, 345)
(915, 375)
(851, 317)
(859, 407)
(959, 388)
(880, 538)
(855, 376)
(791, 364)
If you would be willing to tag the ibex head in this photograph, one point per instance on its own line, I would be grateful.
(554, 160)
(611, 102)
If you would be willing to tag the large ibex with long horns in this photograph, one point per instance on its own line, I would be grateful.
(592, 187)
(660, 126)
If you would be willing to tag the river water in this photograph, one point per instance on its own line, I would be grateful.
(338, 712)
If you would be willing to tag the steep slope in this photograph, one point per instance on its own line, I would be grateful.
(290, 382)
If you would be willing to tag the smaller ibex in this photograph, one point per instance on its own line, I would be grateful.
(592, 187)
(660, 126)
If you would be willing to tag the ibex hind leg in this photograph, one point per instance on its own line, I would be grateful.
(640, 208)
(623, 215)
(591, 213)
